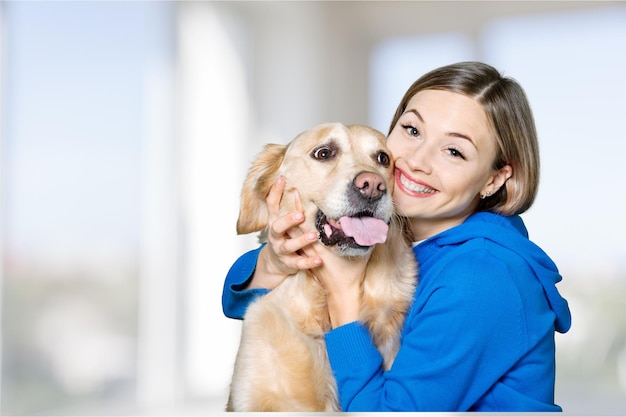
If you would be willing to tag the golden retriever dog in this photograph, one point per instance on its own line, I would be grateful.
(344, 176)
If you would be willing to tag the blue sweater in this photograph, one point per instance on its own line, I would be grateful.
(478, 337)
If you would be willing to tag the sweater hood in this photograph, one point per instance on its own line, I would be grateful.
(510, 233)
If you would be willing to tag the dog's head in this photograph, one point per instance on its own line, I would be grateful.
(344, 175)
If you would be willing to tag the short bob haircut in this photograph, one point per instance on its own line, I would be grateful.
(507, 108)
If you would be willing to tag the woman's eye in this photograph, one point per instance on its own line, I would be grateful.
(455, 153)
(323, 152)
(411, 130)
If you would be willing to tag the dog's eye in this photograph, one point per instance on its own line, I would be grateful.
(323, 152)
(383, 158)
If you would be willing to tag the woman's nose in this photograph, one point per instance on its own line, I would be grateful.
(419, 156)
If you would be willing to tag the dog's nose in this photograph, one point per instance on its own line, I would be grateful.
(370, 185)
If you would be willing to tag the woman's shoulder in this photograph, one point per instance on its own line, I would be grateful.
(481, 236)
(476, 267)
(469, 283)
(476, 258)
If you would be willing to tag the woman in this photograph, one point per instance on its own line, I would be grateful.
(480, 333)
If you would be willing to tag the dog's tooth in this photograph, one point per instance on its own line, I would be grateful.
(328, 230)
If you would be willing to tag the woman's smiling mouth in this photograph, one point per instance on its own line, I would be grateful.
(412, 187)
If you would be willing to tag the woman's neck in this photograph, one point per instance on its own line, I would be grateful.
(425, 228)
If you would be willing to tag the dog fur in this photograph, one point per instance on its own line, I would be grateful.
(281, 364)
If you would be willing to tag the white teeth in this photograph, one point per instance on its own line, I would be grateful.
(409, 185)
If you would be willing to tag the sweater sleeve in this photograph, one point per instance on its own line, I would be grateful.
(235, 300)
(463, 332)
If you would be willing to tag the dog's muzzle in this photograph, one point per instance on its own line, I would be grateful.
(359, 231)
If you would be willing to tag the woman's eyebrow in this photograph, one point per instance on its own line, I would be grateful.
(462, 136)
(416, 113)
(453, 134)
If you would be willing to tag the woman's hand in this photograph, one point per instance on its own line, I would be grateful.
(290, 249)
(283, 254)
(342, 276)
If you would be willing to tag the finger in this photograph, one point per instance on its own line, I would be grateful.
(308, 262)
(296, 244)
(287, 224)
(309, 257)
(275, 196)
(298, 201)
(299, 207)
(298, 260)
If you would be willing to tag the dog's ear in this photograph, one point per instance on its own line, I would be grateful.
(262, 175)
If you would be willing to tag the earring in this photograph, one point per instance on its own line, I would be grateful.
(485, 195)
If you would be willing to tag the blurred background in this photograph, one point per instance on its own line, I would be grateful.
(126, 129)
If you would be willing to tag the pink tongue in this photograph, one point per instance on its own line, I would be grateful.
(366, 231)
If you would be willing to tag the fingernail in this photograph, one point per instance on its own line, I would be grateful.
(298, 217)
(311, 236)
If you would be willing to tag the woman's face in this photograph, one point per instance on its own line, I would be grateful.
(444, 150)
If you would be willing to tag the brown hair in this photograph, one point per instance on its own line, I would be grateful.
(507, 108)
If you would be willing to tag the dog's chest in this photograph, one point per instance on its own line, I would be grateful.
(303, 301)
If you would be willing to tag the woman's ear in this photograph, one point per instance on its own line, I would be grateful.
(496, 181)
